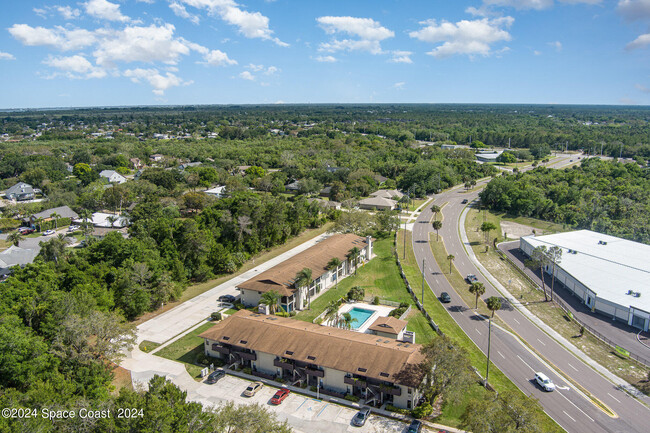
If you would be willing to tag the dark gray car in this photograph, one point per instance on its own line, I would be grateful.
(361, 417)
(215, 376)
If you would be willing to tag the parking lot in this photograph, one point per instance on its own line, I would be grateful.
(304, 414)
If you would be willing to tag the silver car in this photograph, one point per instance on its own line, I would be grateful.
(360, 418)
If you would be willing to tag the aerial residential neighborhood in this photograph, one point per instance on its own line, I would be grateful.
(227, 216)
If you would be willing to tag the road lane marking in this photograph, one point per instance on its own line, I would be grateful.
(525, 363)
(613, 397)
(501, 354)
(574, 405)
(543, 344)
(569, 416)
(516, 321)
(572, 367)
(479, 332)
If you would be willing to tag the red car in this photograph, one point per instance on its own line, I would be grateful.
(280, 395)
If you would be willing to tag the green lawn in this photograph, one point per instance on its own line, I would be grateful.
(148, 346)
(186, 349)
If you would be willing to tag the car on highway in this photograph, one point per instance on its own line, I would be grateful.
(543, 381)
(445, 298)
(280, 395)
(253, 388)
(229, 299)
(48, 232)
(360, 418)
(465, 201)
(471, 278)
(215, 376)
(415, 426)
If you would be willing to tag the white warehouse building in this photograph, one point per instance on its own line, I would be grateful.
(611, 275)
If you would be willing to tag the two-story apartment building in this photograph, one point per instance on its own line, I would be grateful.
(336, 361)
(281, 277)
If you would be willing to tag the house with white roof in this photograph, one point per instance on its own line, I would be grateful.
(112, 176)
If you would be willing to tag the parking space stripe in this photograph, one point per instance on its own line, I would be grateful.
(321, 411)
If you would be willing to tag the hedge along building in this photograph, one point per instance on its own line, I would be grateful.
(281, 278)
(611, 275)
(336, 361)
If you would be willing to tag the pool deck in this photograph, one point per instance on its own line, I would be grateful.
(379, 311)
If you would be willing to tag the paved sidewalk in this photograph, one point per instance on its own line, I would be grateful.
(543, 326)
(167, 325)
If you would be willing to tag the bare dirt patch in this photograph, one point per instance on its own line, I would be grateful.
(511, 230)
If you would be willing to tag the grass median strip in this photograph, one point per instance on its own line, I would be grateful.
(186, 350)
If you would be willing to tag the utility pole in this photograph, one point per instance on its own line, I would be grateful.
(621, 154)
(487, 371)
(508, 143)
(422, 299)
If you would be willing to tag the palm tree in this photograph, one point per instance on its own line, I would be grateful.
(353, 256)
(346, 321)
(554, 256)
(56, 217)
(272, 299)
(538, 259)
(493, 304)
(86, 215)
(334, 263)
(437, 225)
(303, 279)
(451, 258)
(486, 228)
(111, 219)
(332, 313)
(435, 209)
(15, 238)
(478, 289)
(39, 221)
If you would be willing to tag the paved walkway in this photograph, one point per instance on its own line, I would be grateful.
(167, 325)
(615, 331)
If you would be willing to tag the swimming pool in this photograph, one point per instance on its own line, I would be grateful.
(361, 314)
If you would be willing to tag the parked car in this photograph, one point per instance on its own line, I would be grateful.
(215, 376)
(230, 299)
(26, 230)
(543, 381)
(465, 201)
(360, 418)
(253, 388)
(48, 232)
(471, 278)
(73, 228)
(280, 395)
(445, 298)
(415, 426)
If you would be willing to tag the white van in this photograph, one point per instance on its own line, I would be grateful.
(543, 381)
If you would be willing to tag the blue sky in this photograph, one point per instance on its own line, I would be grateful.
(61, 53)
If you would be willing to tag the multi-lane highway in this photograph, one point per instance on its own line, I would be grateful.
(567, 405)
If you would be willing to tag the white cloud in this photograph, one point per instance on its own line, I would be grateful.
(159, 82)
(254, 67)
(105, 10)
(537, 53)
(464, 37)
(250, 24)
(368, 31)
(557, 45)
(180, 11)
(67, 12)
(75, 67)
(640, 42)
(633, 10)
(399, 85)
(535, 4)
(57, 37)
(6, 56)
(142, 44)
(247, 76)
(271, 70)
(325, 59)
(642, 88)
(218, 58)
(401, 57)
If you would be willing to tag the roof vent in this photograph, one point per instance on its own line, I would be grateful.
(289, 352)
(311, 358)
(361, 369)
(243, 341)
(637, 294)
(225, 338)
(383, 374)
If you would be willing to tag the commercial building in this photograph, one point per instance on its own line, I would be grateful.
(336, 361)
(488, 156)
(609, 274)
(281, 278)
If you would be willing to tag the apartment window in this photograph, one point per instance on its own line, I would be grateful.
(410, 391)
(408, 404)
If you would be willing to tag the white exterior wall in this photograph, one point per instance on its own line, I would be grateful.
(402, 400)
(264, 363)
(333, 380)
(250, 298)
(208, 350)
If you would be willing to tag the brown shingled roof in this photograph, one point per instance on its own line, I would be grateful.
(349, 351)
(280, 277)
(389, 325)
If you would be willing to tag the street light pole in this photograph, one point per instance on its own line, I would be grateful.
(487, 372)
